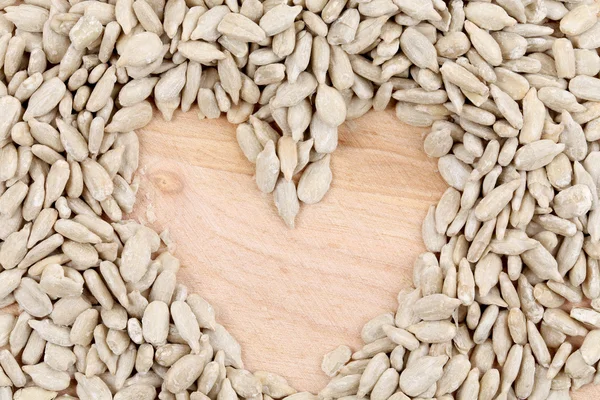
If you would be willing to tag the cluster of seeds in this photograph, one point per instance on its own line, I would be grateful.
(509, 89)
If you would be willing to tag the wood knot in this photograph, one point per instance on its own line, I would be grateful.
(167, 181)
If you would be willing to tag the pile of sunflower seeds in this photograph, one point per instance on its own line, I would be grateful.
(508, 87)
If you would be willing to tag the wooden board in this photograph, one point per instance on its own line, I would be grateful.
(290, 296)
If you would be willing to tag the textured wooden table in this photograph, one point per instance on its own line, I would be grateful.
(290, 296)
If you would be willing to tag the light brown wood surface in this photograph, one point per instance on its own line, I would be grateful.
(290, 296)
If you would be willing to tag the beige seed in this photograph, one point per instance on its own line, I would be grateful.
(511, 367)
(335, 360)
(315, 181)
(269, 74)
(405, 316)
(493, 203)
(419, 49)
(267, 168)
(141, 50)
(244, 382)
(386, 385)
(115, 283)
(344, 386)
(135, 257)
(508, 107)
(136, 91)
(525, 381)
(565, 290)
(46, 377)
(488, 16)
(367, 32)
(20, 333)
(542, 385)
(484, 43)
(286, 201)
(7, 322)
(517, 325)
(560, 357)
(130, 118)
(401, 337)
(370, 349)
(239, 27)
(579, 19)
(565, 58)
(139, 391)
(94, 386)
(51, 333)
(438, 143)
(576, 367)
(290, 94)
(288, 156)
(155, 323)
(75, 231)
(561, 321)
(537, 154)
(455, 373)
(418, 377)
(330, 105)
(586, 316)
(274, 385)
(163, 287)
(486, 323)
(559, 100)
(12, 369)
(32, 299)
(98, 289)
(433, 331)
(58, 357)
(67, 309)
(531, 308)
(547, 297)
(279, 18)
(184, 372)
(466, 283)
(573, 202)
(82, 331)
(419, 10)
(186, 324)
(45, 98)
(374, 370)
(203, 311)
(435, 307)
(373, 329)
(221, 339)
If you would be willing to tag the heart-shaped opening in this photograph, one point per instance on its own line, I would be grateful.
(290, 296)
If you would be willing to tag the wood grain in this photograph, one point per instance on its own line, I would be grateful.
(290, 296)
